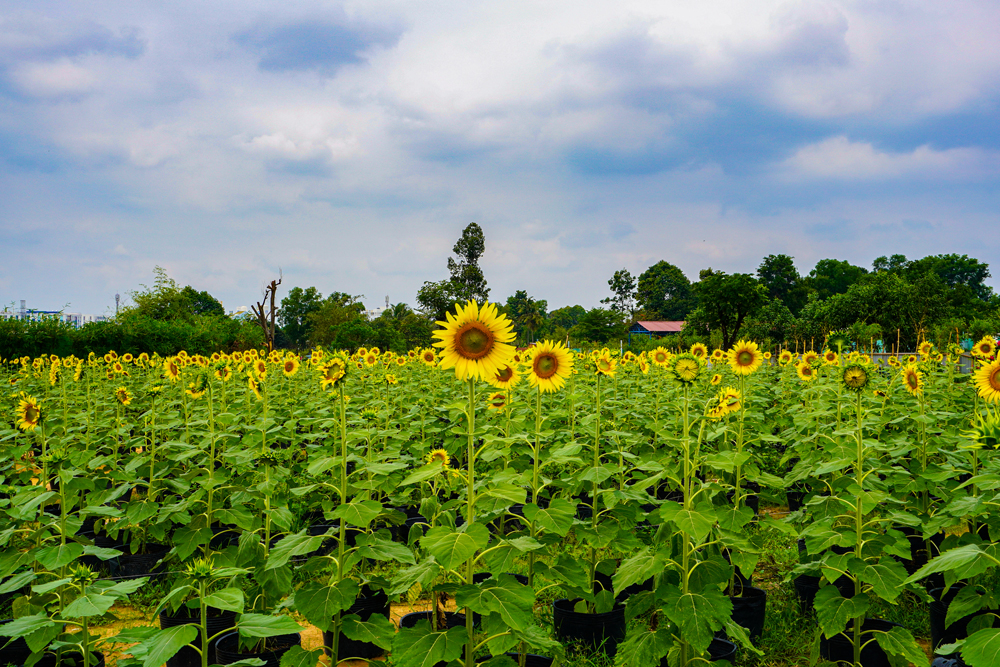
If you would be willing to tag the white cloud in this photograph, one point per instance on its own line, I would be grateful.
(840, 158)
(55, 79)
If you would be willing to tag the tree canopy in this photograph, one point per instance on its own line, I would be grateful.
(664, 293)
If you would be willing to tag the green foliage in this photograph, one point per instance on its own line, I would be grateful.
(599, 325)
(527, 314)
(778, 274)
(833, 276)
(623, 287)
(664, 293)
(724, 303)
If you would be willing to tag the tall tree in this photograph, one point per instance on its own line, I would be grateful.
(466, 275)
(778, 274)
(725, 302)
(664, 292)
(834, 276)
(600, 326)
(294, 313)
(895, 264)
(622, 286)
(526, 313)
(954, 270)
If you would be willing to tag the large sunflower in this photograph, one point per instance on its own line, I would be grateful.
(660, 356)
(332, 372)
(925, 348)
(985, 347)
(830, 358)
(171, 369)
(685, 368)
(290, 367)
(428, 356)
(785, 357)
(29, 413)
(913, 379)
(855, 377)
(605, 364)
(505, 378)
(121, 393)
(987, 381)
(745, 358)
(475, 341)
(551, 364)
(699, 350)
(805, 371)
(497, 401)
(810, 357)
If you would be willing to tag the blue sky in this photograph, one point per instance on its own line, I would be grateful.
(349, 144)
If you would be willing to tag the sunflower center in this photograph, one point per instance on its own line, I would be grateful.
(31, 414)
(473, 341)
(505, 374)
(912, 380)
(545, 366)
(744, 358)
(994, 380)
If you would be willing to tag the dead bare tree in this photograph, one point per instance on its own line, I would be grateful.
(265, 318)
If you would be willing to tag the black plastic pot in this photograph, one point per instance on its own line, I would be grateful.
(796, 499)
(130, 566)
(217, 622)
(741, 582)
(369, 603)
(748, 610)
(840, 648)
(719, 649)
(948, 634)
(14, 653)
(597, 631)
(806, 587)
(228, 649)
(452, 619)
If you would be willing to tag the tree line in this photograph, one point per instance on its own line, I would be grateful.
(897, 301)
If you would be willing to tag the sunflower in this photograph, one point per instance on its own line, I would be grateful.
(439, 456)
(144, 358)
(370, 359)
(260, 368)
(716, 379)
(475, 341)
(171, 369)
(498, 400)
(987, 381)
(893, 361)
(985, 347)
(810, 357)
(29, 413)
(391, 379)
(127, 357)
(362, 352)
(912, 359)
(785, 357)
(78, 373)
(551, 364)
(605, 364)
(718, 355)
(685, 368)
(253, 385)
(505, 378)
(805, 371)
(290, 367)
(223, 373)
(878, 393)
(643, 365)
(925, 348)
(428, 356)
(121, 393)
(332, 372)
(767, 356)
(401, 361)
(830, 358)
(118, 368)
(745, 358)
(660, 356)
(731, 398)
(108, 358)
(913, 380)
(855, 377)
(699, 350)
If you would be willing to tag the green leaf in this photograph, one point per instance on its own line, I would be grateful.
(502, 595)
(423, 573)
(643, 646)
(421, 647)
(698, 615)
(422, 474)
(229, 599)
(833, 611)
(298, 657)
(17, 582)
(100, 552)
(264, 625)
(377, 630)
(637, 569)
(970, 559)
(376, 548)
(886, 578)
(165, 644)
(318, 603)
(733, 519)
(968, 601)
(123, 588)
(296, 544)
(358, 513)
(41, 589)
(982, 648)
(557, 518)
(134, 635)
(25, 625)
(695, 522)
(899, 641)
(452, 547)
(54, 557)
(91, 604)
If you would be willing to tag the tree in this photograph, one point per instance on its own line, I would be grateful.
(437, 299)
(778, 274)
(465, 272)
(894, 264)
(664, 292)
(295, 311)
(265, 311)
(773, 321)
(954, 270)
(166, 301)
(201, 303)
(527, 314)
(336, 310)
(600, 326)
(833, 276)
(566, 317)
(724, 303)
(622, 286)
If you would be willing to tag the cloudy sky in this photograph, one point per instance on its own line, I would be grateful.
(350, 143)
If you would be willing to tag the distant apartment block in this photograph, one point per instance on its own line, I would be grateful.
(34, 315)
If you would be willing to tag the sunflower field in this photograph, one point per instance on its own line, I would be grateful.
(534, 507)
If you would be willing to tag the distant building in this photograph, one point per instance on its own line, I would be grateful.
(36, 315)
(651, 329)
